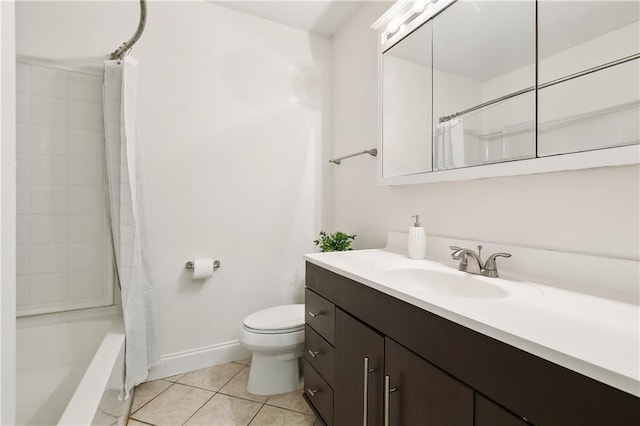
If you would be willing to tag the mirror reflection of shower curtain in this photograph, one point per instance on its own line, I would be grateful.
(128, 221)
(449, 146)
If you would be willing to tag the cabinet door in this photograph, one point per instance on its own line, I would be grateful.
(357, 347)
(488, 413)
(424, 394)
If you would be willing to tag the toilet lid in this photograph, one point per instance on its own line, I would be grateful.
(278, 318)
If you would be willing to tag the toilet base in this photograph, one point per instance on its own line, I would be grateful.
(273, 373)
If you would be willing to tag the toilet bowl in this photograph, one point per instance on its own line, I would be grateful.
(276, 338)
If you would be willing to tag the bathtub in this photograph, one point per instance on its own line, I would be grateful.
(70, 367)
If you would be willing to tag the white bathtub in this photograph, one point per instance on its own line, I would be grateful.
(69, 366)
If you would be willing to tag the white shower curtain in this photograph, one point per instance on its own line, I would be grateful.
(128, 222)
(449, 146)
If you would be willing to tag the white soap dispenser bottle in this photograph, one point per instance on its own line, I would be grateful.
(417, 240)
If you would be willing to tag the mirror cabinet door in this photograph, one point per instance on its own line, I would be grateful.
(483, 83)
(406, 105)
(588, 79)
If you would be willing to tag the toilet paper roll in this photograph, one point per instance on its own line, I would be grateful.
(202, 268)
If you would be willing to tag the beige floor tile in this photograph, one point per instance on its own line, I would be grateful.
(212, 378)
(245, 361)
(225, 410)
(291, 400)
(174, 406)
(274, 416)
(145, 392)
(133, 422)
(174, 378)
(238, 387)
(103, 419)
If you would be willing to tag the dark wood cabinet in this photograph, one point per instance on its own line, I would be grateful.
(318, 392)
(320, 315)
(440, 367)
(422, 394)
(320, 354)
(488, 413)
(359, 357)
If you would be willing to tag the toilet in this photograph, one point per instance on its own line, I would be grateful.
(276, 338)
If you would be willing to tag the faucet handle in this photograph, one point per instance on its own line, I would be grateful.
(456, 250)
(490, 264)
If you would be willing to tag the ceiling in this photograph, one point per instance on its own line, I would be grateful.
(322, 17)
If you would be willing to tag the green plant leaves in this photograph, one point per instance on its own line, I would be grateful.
(338, 241)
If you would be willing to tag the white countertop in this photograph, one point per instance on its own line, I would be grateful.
(597, 337)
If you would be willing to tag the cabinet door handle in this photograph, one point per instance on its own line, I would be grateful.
(365, 394)
(387, 391)
(312, 392)
(313, 353)
(314, 314)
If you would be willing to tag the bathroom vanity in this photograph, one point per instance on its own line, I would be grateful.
(387, 344)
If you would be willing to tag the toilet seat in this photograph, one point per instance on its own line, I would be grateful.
(277, 320)
(276, 331)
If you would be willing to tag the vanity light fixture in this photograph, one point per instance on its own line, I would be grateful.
(419, 6)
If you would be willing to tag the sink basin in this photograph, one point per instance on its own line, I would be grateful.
(453, 283)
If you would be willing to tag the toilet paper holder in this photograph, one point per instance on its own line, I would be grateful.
(189, 264)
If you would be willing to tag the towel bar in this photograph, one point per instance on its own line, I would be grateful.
(373, 152)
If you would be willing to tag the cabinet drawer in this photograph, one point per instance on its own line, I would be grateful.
(319, 353)
(318, 392)
(320, 315)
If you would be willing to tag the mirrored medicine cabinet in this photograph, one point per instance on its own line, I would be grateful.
(472, 89)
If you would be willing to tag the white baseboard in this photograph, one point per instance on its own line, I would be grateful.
(194, 359)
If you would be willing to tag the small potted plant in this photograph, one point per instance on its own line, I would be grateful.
(338, 241)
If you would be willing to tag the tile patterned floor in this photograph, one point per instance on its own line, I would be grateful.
(215, 396)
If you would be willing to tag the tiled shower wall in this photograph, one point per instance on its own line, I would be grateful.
(63, 251)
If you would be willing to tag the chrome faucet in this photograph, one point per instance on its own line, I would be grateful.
(488, 268)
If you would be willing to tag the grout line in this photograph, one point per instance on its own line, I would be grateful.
(140, 421)
(194, 387)
(289, 409)
(201, 388)
(173, 381)
(282, 408)
(242, 398)
(255, 415)
(200, 408)
(139, 408)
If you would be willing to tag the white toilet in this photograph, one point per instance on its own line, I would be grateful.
(276, 338)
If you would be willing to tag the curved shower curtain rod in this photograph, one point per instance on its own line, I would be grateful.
(120, 51)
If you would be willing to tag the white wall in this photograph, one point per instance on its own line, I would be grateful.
(7, 216)
(232, 117)
(591, 211)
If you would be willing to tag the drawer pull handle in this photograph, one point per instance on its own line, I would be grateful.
(313, 353)
(314, 314)
(312, 392)
(387, 390)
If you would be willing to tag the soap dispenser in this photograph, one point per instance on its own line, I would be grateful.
(417, 240)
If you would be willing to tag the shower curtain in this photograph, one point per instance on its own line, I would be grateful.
(128, 221)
